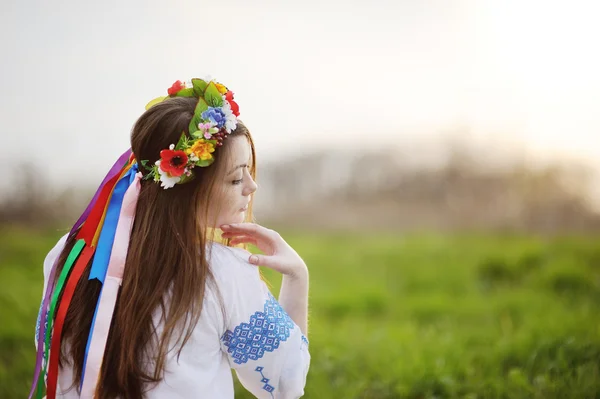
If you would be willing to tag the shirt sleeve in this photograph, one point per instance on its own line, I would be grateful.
(48, 263)
(262, 343)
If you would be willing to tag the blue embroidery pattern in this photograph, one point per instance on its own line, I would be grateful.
(304, 340)
(266, 387)
(38, 322)
(263, 333)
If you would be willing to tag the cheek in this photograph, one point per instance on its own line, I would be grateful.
(224, 205)
(229, 210)
(229, 199)
(230, 195)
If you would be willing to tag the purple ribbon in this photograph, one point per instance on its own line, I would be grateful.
(116, 168)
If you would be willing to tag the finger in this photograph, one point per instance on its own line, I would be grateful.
(242, 240)
(251, 229)
(240, 237)
(272, 262)
(231, 235)
(247, 227)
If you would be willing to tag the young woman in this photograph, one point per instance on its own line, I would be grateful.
(150, 294)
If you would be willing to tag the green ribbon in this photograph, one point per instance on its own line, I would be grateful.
(73, 255)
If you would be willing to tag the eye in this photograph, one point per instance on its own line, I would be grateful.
(239, 181)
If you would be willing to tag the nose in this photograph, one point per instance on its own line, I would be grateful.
(251, 187)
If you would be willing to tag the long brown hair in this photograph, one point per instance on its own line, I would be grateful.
(166, 259)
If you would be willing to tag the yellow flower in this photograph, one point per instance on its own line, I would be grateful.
(222, 89)
(202, 149)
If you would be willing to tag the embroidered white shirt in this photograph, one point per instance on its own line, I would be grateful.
(241, 327)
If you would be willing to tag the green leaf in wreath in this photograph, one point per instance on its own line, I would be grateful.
(185, 178)
(197, 118)
(155, 101)
(144, 164)
(155, 173)
(189, 92)
(182, 143)
(197, 134)
(193, 126)
(200, 107)
(199, 86)
(212, 95)
(204, 163)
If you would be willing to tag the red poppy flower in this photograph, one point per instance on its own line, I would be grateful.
(234, 107)
(173, 162)
(177, 86)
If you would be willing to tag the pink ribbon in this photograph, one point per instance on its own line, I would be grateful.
(110, 290)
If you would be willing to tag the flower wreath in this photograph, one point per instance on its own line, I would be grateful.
(215, 117)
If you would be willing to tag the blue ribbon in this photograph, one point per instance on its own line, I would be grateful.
(105, 242)
(107, 235)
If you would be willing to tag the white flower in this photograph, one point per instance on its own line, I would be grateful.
(230, 119)
(172, 147)
(167, 181)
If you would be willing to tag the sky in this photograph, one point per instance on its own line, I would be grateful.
(307, 75)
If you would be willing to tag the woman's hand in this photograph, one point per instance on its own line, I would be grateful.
(278, 254)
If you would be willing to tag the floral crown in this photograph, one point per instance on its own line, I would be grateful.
(215, 117)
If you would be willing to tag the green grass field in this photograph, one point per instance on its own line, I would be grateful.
(393, 316)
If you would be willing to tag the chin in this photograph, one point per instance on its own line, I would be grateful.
(240, 218)
(232, 219)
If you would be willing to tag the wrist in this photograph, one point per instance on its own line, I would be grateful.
(299, 273)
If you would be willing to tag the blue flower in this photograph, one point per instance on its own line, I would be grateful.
(215, 115)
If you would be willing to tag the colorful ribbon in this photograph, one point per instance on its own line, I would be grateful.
(86, 233)
(86, 236)
(106, 225)
(44, 309)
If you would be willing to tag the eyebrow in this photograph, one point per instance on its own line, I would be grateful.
(237, 167)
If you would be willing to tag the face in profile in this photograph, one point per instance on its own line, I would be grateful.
(234, 186)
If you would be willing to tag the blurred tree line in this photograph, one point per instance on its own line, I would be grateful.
(463, 190)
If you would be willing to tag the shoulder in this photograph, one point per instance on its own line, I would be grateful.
(233, 273)
(227, 260)
(58, 247)
(54, 253)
